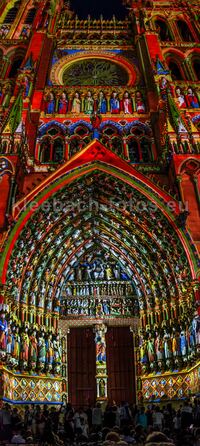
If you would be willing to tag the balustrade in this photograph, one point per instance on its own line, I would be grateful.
(100, 24)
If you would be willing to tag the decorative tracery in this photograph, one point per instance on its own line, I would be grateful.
(79, 139)
(95, 72)
(52, 146)
(133, 141)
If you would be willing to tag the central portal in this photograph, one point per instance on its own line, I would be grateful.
(99, 304)
(100, 367)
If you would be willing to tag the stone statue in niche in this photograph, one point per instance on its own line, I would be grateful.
(50, 104)
(16, 343)
(127, 103)
(25, 84)
(102, 388)
(50, 351)
(195, 327)
(89, 103)
(181, 101)
(57, 354)
(76, 103)
(96, 121)
(41, 351)
(100, 346)
(140, 106)
(114, 103)
(3, 330)
(150, 349)
(102, 103)
(62, 104)
(24, 348)
(33, 350)
(191, 99)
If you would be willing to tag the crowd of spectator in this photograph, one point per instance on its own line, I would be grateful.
(121, 425)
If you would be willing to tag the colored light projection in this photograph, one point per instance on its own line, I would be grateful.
(95, 72)
(105, 250)
(101, 365)
(95, 252)
(98, 286)
(28, 389)
(170, 386)
(55, 238)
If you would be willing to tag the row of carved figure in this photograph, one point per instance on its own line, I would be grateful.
(29, 349)
(169, 348)
(89, 104)
(90, 307)
(25, 32)
(184, 99)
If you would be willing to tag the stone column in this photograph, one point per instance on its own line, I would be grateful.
(196, 188)
(126, 150)
(179, 181)
(101, 363)
(136, 355)
(64, 372)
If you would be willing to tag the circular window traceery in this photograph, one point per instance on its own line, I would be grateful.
(95, 72)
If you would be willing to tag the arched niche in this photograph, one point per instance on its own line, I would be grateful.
(12, 13)
(30, 16)
(176, 71)
(196, 67)
(184, 31)
(164, 30)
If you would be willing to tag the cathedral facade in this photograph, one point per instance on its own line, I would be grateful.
(100, 202)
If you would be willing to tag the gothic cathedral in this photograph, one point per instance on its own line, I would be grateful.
(100, 202)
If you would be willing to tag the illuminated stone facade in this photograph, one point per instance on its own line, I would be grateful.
(99, 170)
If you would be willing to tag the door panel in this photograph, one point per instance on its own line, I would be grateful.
(81, 366)
(120, 364)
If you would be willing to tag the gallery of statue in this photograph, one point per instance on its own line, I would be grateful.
(99, 203)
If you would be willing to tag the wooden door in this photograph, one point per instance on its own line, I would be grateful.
(81, 366)
(120, 364)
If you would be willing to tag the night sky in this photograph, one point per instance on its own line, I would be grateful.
(95, 8)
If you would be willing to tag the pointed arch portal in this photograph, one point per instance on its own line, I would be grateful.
(98, 244)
